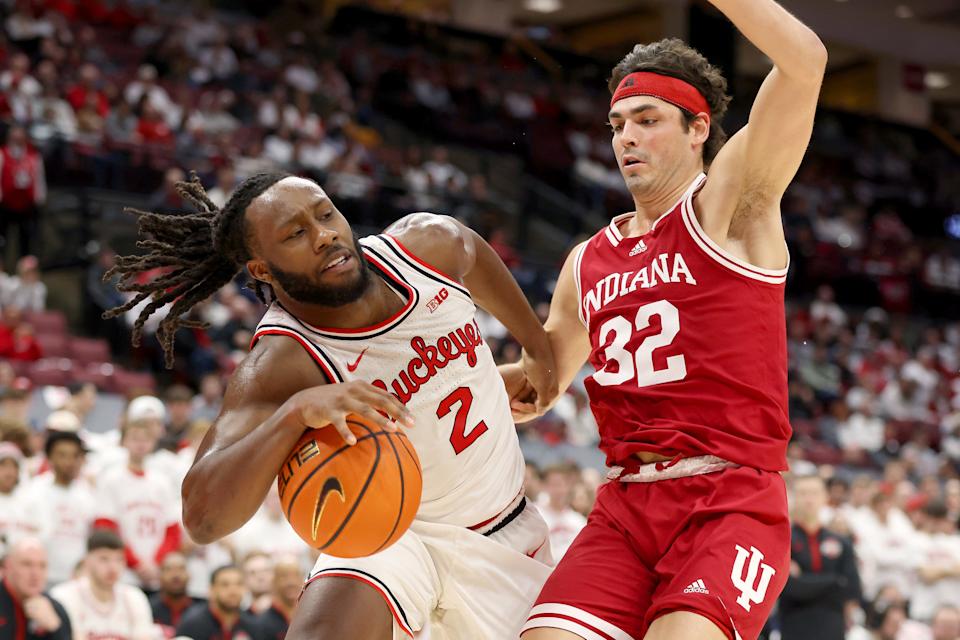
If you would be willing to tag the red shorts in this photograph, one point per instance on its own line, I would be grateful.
(716, 544)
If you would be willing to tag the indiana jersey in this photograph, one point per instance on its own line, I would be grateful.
(431, 356)
(688, 343)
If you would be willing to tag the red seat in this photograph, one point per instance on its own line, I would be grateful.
(90, 350)
(54, 345)
(47, 321)
(99, 373)
(51, 371)
(126, 381)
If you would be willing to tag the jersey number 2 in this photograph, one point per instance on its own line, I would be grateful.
(459, 438)
(641, 362)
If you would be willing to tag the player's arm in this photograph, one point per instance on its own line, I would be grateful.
(752, 171)
(462, 254)
(276, 393)
(568, 337)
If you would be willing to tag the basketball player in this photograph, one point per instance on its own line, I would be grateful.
(678, 305)
(386, 324)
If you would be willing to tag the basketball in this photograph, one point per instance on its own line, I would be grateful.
(351, 501)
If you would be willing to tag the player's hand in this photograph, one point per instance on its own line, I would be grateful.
(522, 395)
(320, 407)
(541, 372)
(40, 610)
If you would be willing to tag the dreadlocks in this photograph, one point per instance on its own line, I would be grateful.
(199, 253)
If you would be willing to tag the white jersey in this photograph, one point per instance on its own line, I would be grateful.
(128, 617)
(15, 521)
(64, 519)
(142, 505)
(431, 356)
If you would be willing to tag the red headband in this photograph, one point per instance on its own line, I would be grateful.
(673, 90)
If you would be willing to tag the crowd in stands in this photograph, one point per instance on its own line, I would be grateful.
(132, 96)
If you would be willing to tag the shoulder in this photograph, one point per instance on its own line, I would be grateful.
(276, 368)
(439, 240)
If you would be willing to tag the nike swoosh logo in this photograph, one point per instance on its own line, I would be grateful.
(330, 487)
(353, 367)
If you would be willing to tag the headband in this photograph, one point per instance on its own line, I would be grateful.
(673, 90)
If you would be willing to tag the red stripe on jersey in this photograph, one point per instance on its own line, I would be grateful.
(581, 623)
(386, 598)
(309, 348)
(423, 264)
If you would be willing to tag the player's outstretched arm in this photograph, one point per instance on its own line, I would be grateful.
(568, 337)
(462, 254)
(276, 393)
(754, 168)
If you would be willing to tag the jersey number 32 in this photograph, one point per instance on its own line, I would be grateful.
(640, 363)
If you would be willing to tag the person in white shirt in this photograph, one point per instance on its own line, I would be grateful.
(269, 532)
(25, 290)
(99, 605)
(939, 570)
(886, 545)
(14, 521)
(62, 505)
(138, 504)
(563, 521)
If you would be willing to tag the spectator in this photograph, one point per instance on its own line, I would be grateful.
(221, 618)
(563, 522)
(146, 86)
(79, 94)
(137, 503)
(179, 410)
(258, 580)
(444, 175)
(226, 182)
(206, 405)
(23, 188)
(26, 290)
(287, 584)
(99, 605)
(21, 88)
(63, 506)
(15, 521)
(946, 623)
(823, 583)
(938, 548)
(25, 611)
(171, 601)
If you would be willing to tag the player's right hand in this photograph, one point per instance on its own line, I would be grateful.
(523, 397)
(326, 405)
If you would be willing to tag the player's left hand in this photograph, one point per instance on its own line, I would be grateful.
(541, 373)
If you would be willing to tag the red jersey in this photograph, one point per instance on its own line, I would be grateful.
(688, 343)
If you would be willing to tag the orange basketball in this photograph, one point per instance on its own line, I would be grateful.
(351, 501)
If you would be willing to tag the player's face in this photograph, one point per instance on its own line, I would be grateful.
(104, 566)
(304, 246)
(227, 590)
(173, 575)
(650, 141)
(9, 474)
(66, 460)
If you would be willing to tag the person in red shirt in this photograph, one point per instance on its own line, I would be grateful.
(79, 94)
(23, 188)
(152, 128)
(678, 306)
(17, 341)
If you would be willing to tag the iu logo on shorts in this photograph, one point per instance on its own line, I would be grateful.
(752, 587)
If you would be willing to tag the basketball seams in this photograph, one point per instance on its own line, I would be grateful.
(413, 456)
(363, 489)
(396, 522)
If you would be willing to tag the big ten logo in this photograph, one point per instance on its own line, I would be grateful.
(437, 300)
(296, 460)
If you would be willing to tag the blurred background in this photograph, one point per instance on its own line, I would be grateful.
(493, 112)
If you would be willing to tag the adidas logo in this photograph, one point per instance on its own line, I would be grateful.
(697, 587)
(640, 247)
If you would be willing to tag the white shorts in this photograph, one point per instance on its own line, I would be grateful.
(446, 582)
